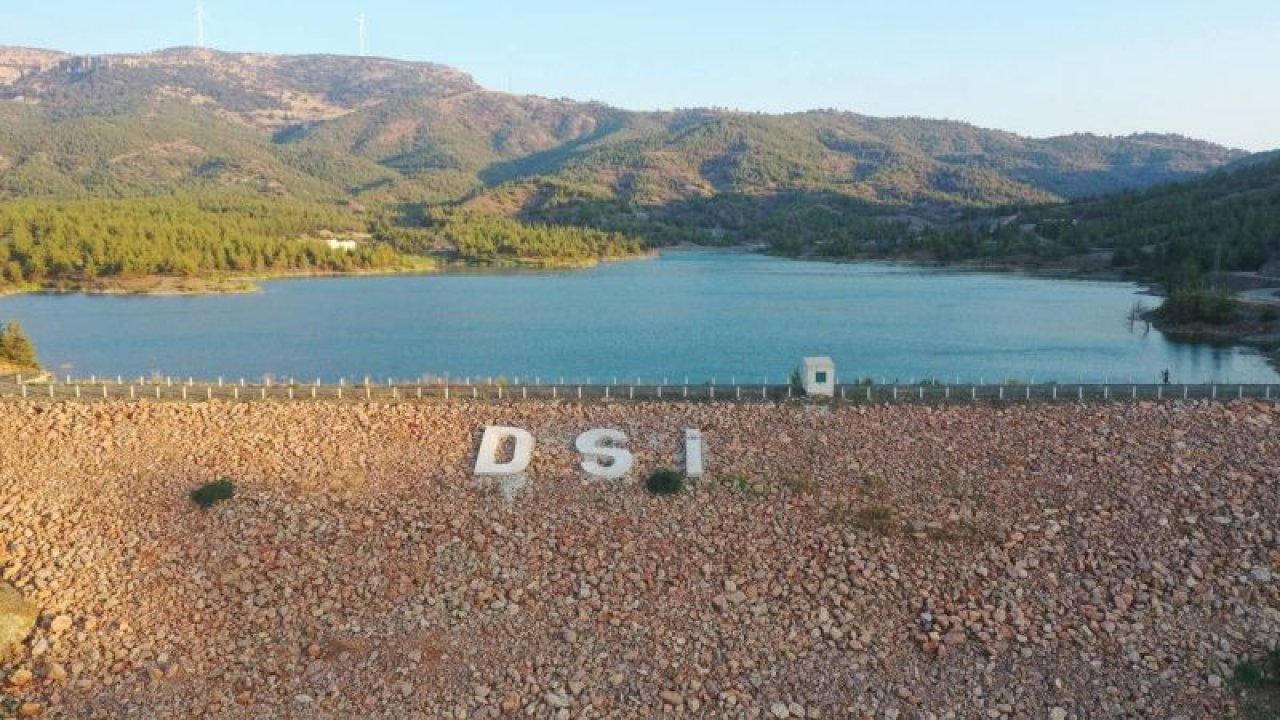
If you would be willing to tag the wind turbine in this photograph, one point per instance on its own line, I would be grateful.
(200, 18)
(361, 24)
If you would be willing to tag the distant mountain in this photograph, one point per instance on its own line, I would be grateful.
(385, 130)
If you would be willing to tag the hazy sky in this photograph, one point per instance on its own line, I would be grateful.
(1208, 69)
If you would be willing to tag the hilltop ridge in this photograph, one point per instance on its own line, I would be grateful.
(391, 130)
(257, 89)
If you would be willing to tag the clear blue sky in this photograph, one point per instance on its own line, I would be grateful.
(1209, 69)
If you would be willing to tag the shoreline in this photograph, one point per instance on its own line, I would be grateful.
(1057, 272)
(1268, 345)
(238, 284)
(195, 286)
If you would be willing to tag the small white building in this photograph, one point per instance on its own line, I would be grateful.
(348, 245)
(818, 374)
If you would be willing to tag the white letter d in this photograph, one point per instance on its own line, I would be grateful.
(494, 437)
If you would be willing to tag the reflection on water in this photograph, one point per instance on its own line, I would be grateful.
(1204, 361)
(703, 315)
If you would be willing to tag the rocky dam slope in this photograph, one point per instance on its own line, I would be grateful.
(1065, 561)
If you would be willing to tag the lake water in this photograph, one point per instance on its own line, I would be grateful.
(699, 314)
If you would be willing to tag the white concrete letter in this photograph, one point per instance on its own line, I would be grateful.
(693, 453)
(494, 437)
(597, 446)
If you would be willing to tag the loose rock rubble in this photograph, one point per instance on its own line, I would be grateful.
(1070, 561)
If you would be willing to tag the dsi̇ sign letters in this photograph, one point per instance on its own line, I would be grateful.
(603, 451)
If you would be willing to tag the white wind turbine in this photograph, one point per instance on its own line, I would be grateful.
(361, 25)
(200, 18)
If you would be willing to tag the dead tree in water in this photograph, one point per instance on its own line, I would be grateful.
(1138, 313)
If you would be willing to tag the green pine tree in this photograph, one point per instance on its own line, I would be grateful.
(16, 348)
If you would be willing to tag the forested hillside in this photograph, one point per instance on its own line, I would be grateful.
(64, 244)
(192, 161)
(382, 129)
(477, 239)
(69, 243)
(1228, 220)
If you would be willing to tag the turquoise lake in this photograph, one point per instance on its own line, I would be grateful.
(694, 314)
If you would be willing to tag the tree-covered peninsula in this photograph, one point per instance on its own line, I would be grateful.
(213, 241)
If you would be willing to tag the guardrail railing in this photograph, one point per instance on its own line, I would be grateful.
(169, 390)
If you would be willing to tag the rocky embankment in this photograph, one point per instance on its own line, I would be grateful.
(1059, 562)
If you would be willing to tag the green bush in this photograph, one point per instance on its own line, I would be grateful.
(880, 519)
(210, 494)
(1251, 674)
(738, 482)
(1269, 314)
(797, 379)
(665, 482)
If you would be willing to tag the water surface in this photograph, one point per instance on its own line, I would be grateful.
(699, 314)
